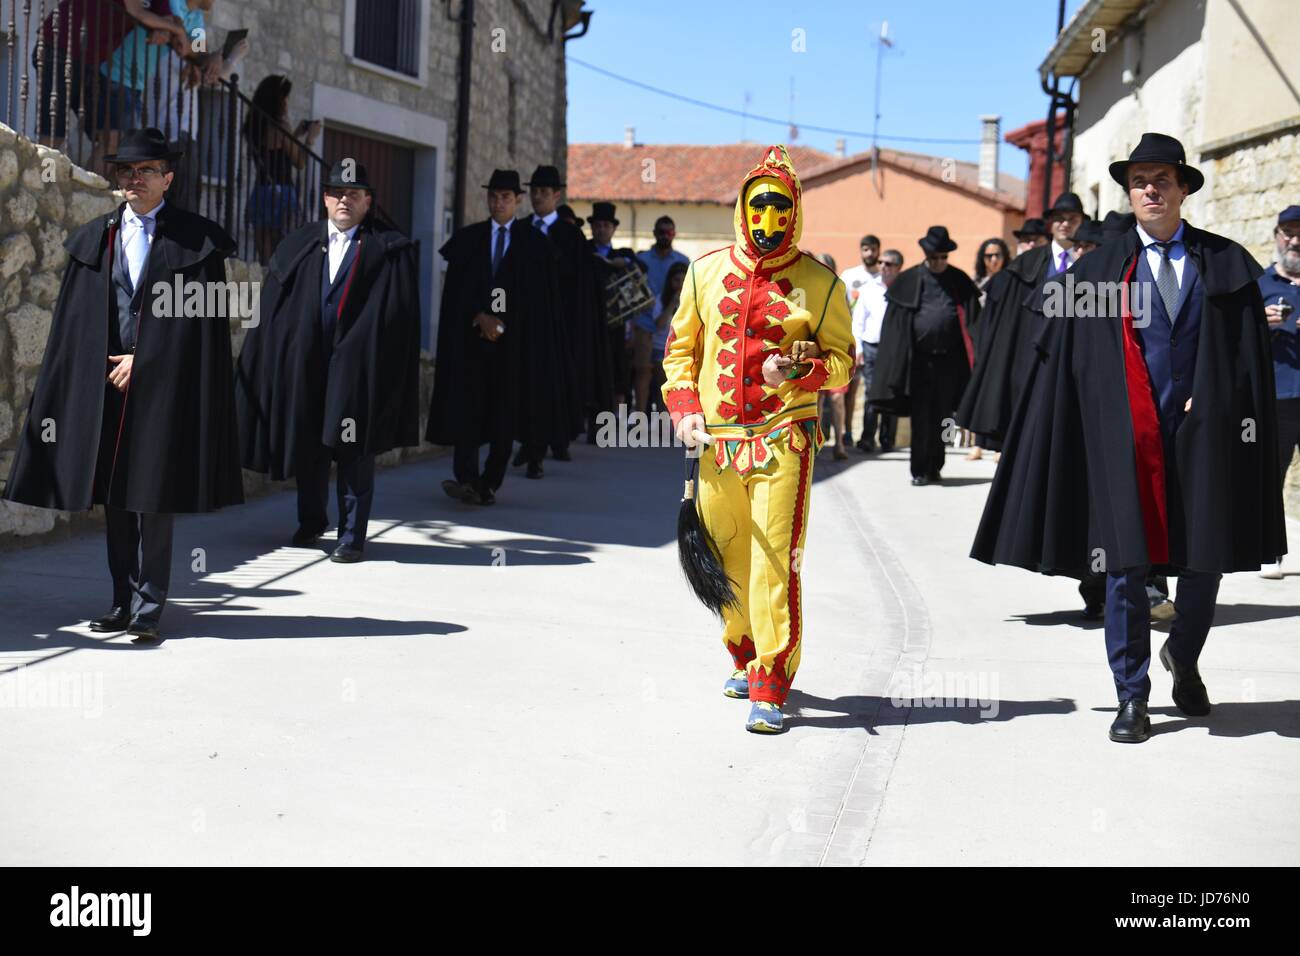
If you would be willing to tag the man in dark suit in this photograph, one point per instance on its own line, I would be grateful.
(331, 372)
(496, 378)
(134, 408)
(1146, 437)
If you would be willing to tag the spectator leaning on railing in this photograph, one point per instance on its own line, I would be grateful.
(277, 157)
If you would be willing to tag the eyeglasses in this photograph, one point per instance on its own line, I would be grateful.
(892, 265)
(992, 255)
(941, 257)
(128, 173)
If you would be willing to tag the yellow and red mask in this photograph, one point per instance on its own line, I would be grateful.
(767, 210)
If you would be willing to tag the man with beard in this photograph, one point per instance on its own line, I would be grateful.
(1146, 437)
(133, 406)
(331, 372)
(1280, 287)
(495, 380)
(926, 350)
(584, 348)
(866, 284)
(1006, 331)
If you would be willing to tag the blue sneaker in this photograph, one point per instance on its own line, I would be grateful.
(737, 685)
(764, 718)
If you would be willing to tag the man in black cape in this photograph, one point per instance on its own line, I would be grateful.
(584, 344)
(133, 408)
(1006, 331)
(331, 371)
(1146, 436)
(925, 350)
(610, 262)
(497, 377)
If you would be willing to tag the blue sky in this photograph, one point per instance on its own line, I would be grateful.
(953, 60)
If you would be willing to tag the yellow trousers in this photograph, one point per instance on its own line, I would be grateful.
(759, 520)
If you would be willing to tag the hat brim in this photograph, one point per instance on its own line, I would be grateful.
(932, 247)
(594, 219)
(337, 184)
(121, 159)
(1119, 172)
(530, 184)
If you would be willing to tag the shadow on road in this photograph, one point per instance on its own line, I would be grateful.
(1232, 719)
(870, 711)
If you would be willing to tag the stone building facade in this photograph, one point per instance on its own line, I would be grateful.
(517, 108)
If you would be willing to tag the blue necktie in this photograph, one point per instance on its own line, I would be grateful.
(498, 250)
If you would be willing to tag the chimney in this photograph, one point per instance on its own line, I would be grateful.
(990, 127)
(629, 136)
(839, 147)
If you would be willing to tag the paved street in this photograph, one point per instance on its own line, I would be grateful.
(531, 684)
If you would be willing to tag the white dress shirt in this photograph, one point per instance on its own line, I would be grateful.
(1177, 253)
(869, 304)
(546, 222)
(338, 246)
(137, 239)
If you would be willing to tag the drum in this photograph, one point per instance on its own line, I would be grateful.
(627, 293)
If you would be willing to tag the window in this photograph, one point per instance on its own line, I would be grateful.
(387, 33)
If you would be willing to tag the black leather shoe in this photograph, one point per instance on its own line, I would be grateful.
(1131, 724)
(344, 554)
(920, 480)
(115, 620)
(885, 449)
(518, 459)
(302, 538)
(143, 633)
(935, 477)
(534, 470)
(1190, 695)
(865, 446)
(1094, 612)
(561, 454)
(461, 491)
(485, 495)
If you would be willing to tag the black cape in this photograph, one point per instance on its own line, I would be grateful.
(1003, 340)
(289, 398)
(1067, 483)
(526, 399)
(581, 308)
(891, 385)
(170, 445)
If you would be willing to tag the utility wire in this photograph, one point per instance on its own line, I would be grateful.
(762, 119)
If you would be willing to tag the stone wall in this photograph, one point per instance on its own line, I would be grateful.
(1248, 187)
(42, 198)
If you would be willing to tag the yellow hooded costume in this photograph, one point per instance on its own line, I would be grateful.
(739, 304)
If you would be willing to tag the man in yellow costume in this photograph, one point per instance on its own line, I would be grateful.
(760, 329)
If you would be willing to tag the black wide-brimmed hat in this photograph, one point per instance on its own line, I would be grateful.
(936, 240)
(546, 176)
(504, 179)
(1091, 231)
(1032, 227)
(142, 145)
(602, 212)
(1116, 222)
(348, 174)
(1066, 202)
(1158, 148)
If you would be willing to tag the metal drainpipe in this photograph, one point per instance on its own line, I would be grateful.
(463, 86)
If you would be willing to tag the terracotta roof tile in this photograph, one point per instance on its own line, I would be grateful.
(680, 173)
(964, 175)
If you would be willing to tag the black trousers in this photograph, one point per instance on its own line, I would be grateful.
(354, 488)
(932, 402)
(1288, 431)
(872, 419)
(1128, 625)
(140, 561)
(465, 463)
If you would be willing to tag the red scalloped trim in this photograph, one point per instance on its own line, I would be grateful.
(815, 377)
(742, 653)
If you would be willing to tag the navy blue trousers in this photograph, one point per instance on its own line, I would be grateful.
(355, 492)
(1128, 625)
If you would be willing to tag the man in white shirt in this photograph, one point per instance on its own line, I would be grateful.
(865, 285)
(1065, 216)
